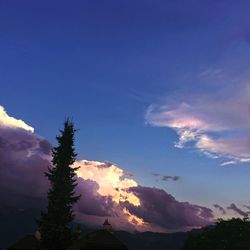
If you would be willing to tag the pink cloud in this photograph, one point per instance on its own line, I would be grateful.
(217, 124)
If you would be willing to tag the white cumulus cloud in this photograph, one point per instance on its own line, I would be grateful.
(11, 122)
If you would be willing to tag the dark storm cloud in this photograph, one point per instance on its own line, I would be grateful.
(159, 207)
(45, 147)
(237, 210)
(22, 162)
(92, 202)
(220, 208)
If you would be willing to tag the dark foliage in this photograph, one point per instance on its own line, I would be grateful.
(54, 225)
(152, 241)
(231, 234)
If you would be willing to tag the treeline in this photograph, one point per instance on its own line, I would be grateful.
(233, 234)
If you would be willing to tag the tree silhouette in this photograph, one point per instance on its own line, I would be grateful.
(54, 225)
(231, 234)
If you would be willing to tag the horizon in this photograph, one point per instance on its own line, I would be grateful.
(159, 94)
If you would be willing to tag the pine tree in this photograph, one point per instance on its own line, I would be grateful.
(55, 224)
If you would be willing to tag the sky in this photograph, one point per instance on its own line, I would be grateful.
(159, 92)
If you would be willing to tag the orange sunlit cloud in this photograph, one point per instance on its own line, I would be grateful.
(133, 218)
(110, 179)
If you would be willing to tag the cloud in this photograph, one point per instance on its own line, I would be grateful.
(128, 174)
(160, 208)
(220, 208)
(226, 163)
(167, 177)
(155, 174)
(217, 124)
(10, 122)
(110, 178)
(237, 210)
(110, 187)
(92, 203)
(23, 161)
(172, 178)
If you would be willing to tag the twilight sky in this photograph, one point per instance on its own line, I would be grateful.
(160, 92)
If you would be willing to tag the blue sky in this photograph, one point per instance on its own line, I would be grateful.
(107, 64)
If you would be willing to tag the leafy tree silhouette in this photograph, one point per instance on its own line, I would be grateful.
(55, 223)
(231, 234)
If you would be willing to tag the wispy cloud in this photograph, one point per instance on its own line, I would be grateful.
(227, 163)
(220, 208)
(216, 124)
(167, 177)
(155, 174)
(170, 178)
(238, 210)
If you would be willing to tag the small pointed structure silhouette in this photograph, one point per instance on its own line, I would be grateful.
(107, 226)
